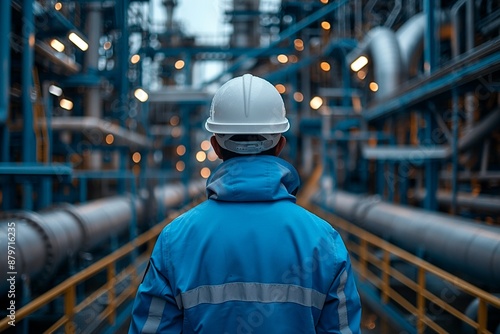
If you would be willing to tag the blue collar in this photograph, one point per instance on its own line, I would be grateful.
(254, 178)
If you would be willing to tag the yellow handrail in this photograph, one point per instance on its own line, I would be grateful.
(67, 288)
(364, 262)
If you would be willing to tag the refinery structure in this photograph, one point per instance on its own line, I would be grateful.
(394, 109)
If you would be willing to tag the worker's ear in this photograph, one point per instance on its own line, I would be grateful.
(280, 146)
(216, 147)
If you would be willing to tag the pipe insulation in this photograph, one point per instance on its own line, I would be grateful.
(382, 46)
(44, 240)
(461, 246)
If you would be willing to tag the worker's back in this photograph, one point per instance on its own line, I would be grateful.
(249, 260)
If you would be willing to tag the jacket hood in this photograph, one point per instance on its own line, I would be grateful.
(253, 179)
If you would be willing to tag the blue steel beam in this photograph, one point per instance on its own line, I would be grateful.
(5, 26)
(460, 76)
(212, 52)
(8, 168)
(282, 36)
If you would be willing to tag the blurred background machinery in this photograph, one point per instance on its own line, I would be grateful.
(395, 116)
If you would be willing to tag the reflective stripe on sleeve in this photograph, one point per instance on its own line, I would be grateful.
(342, 308)
(154, 315)
(252, 292)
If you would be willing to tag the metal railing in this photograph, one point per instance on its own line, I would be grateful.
(67, 290)
(373, 259)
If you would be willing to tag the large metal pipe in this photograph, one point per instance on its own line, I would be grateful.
(461, 246)
(382, 46)
(481, 130)
(486, 204)
(43, 241)
(93, 101)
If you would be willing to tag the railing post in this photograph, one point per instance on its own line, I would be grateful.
(421, 301)
(363, 256)
(69, 309)
(386, 265)
(482, 316)
(111, 275)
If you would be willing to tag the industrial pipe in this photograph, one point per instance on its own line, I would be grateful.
(43, 241)
(382, 46)
(88, 125)
(93, 101)
(456, 244)
(483, 203)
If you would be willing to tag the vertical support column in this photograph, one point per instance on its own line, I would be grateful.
(431, 170)
(28, 152)
(454, 150)
(430, 37)
(5, 27)
(93, 103)
(123, 50)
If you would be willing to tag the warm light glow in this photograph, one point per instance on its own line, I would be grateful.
(205, 145)
(136, 157)
(78, 41)
(66, 104)
(362, 74)
(299, 44)
(141, 95)
(110, 139)
(324, 1)
(107, 45)
(359, 63)
(325, 66)
(180, 166)
(179, 64)
(205, 172)
(176, 132)
(174, 120)
(325, 25)
(57, 45)
(201, 156)
(135, 59)
(282, 58)
(297, 96)
(280, 88)
(373, 86)
(316, 102)
(58, 6)
(181, 150)
(55, 90)
(212, 156)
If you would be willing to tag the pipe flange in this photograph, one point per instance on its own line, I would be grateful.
(36, 221)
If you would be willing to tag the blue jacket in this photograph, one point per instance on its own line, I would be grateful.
(248, 260)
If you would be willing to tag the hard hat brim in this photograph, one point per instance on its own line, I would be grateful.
(255, 128)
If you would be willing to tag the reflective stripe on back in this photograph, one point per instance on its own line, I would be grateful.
(154, 315)
(251, 292)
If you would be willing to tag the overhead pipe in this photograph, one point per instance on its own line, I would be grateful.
(88, 125)
(461, 246)
(381, 45)
(44, 240)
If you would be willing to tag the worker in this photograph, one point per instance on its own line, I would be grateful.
(248, 260)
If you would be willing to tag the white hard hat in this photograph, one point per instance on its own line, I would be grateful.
(247, 105)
